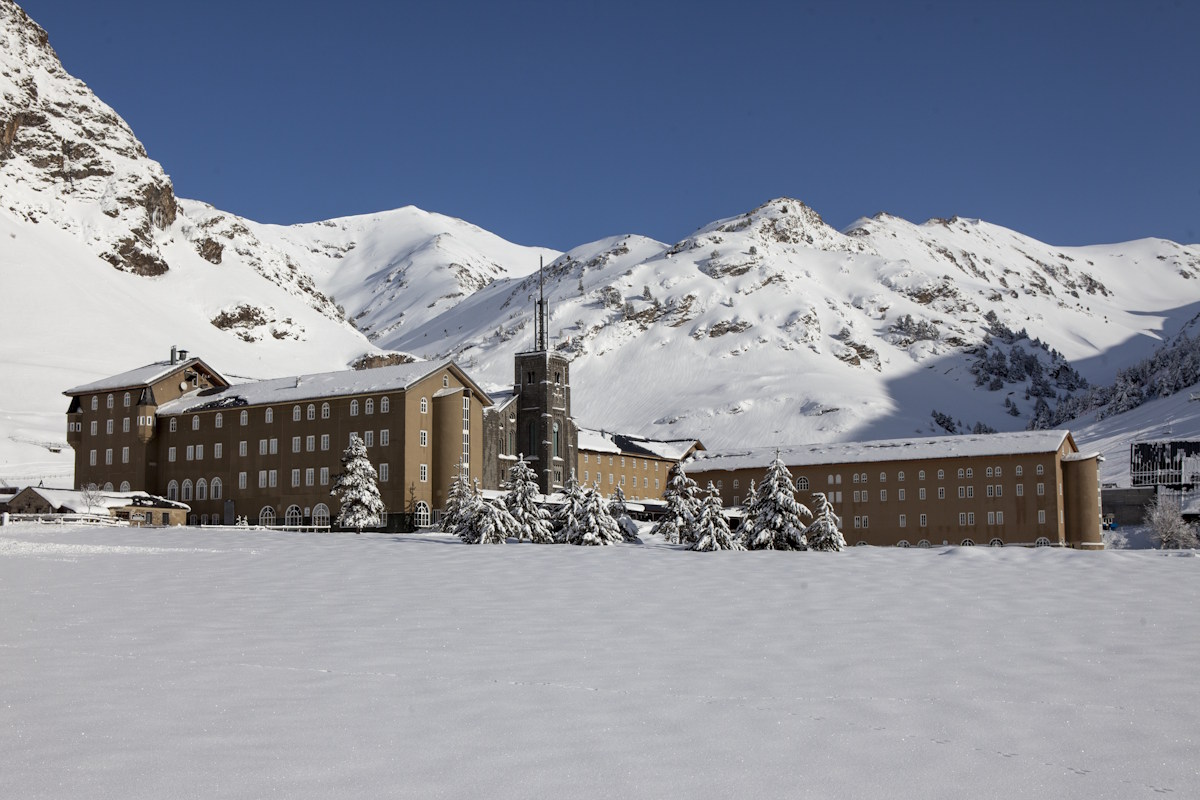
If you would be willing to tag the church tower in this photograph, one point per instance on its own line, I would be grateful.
(546, 434)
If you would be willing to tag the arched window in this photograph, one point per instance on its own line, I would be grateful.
(556, 453)
(966, 543)
(860, 543)
(110, 401)
(961, 472)
(172, 491)
(802, 483)
(1041, 469)
(989, 472)
(354, 408)
(941, 474)
(174, 425)
(421, 514)
(923, 543)
(312, 411)
(324, 410)
(856, 477)
(266, 516)
(903, 543)
(187, 491)
(1042, 541)
(216, 488)
(320, 514)
(293, 516)
(385, 405)
(124, 486)
(997, 542)
(218, 420)
(128, 399)
(295, 413)
(95, 402)
(445, 381)
(900, 475)
(195, 423)
(245, 420)
(201, 489)
(883, 477)
(424, 405)
(369, 406)
(269, 415)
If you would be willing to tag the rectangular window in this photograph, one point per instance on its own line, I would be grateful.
(95, 427)
(241, 480)
(1041, 489)
(991, 518)
(424, 438)
(242, 449)
(610, 479)
(124, 455)
(262, 447)
(309, 476)
(883, 495)
(924, 520)
(858, 522)
(941, 493)
(999, 517)
(962, 518)
(310, 443)
(199, 452)
(900, 495)
(383, 472)
(970, 517)
(656, 479)
(295, 477)
(385, 437)
(369, 438)
(1041, 516)
(262, 479)
(191, 453)
(324, 476)
(585, 458)
(1020, 490)
(274, 446)
(866, 521)
(903, 521)
(991, 490)
(962, 492)
(125, 425)
(423, 473)
(170, 454)
(324, 441)
(999, 490)
(108, 426)
(218, 449)
(585, 476)
(295, 444)
(970, 491)
(92, 458)
(921, 493)
(273, 478)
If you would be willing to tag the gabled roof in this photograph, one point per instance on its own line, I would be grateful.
(102, 502)
(143, 377)
(605, 442)
(974, 445)
(316, 386)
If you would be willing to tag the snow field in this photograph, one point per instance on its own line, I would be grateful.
(189, 663)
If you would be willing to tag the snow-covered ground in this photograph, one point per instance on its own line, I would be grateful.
(186, 663)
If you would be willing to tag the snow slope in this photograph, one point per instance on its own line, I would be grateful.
(198, 664)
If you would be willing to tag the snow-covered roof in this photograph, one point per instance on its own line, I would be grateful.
(974, 445)
(142, 376)
(102, 502)
(605, 442)
(309, 387)
(1096, 454)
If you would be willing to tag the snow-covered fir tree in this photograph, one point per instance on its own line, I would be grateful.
(747, 514)
(779, 521)
(1168, 528)
(825, 531)
(566, 515)
(678, 523)
(592, 524)
(712, 529)
(481, 522)
(458, 492)
(357, 489)
(532, 521)
(620, 512)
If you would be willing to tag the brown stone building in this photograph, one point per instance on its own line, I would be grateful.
(270, 450)
(637, 464)
(1024, 488)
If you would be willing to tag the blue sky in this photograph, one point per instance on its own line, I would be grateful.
(559, 123)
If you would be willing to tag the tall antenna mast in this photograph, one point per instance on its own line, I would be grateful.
(540, 322)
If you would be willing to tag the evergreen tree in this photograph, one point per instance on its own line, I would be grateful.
(357, 490)
(592, 524)
(677, 524)
(747, 514)
(532, 521)
(824, 533)
(712, 529)
(1170, 532)
(620, 512)
(567, 515)
(779, 521)
(468, 509)
(455, 495)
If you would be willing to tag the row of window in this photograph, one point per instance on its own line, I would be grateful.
(621, 480)
(294, 516)
(269, 479)
(600, 460)
(108, 457)
(963, 472)
(965, 518)
(1042, 541)
(270, 447)
(300, 412)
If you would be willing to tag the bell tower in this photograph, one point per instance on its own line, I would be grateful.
(546, 433)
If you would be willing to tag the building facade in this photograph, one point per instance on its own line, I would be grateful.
(271, 450)
(638, 465)
(1026, 488)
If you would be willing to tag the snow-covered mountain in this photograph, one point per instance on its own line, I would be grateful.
(766, 327)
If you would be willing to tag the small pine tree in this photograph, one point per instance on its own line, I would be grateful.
(824, 533)
(678, 523)
(592, 525)
(467, 511)
(620, 512)
(531, 520)
(566, 516)
(1170, 532)
(779, 521)
(357, 490)
(747, 514)
(712, 529)
(455, 495)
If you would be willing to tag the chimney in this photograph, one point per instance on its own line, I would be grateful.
(174, 355)
(183, 355)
